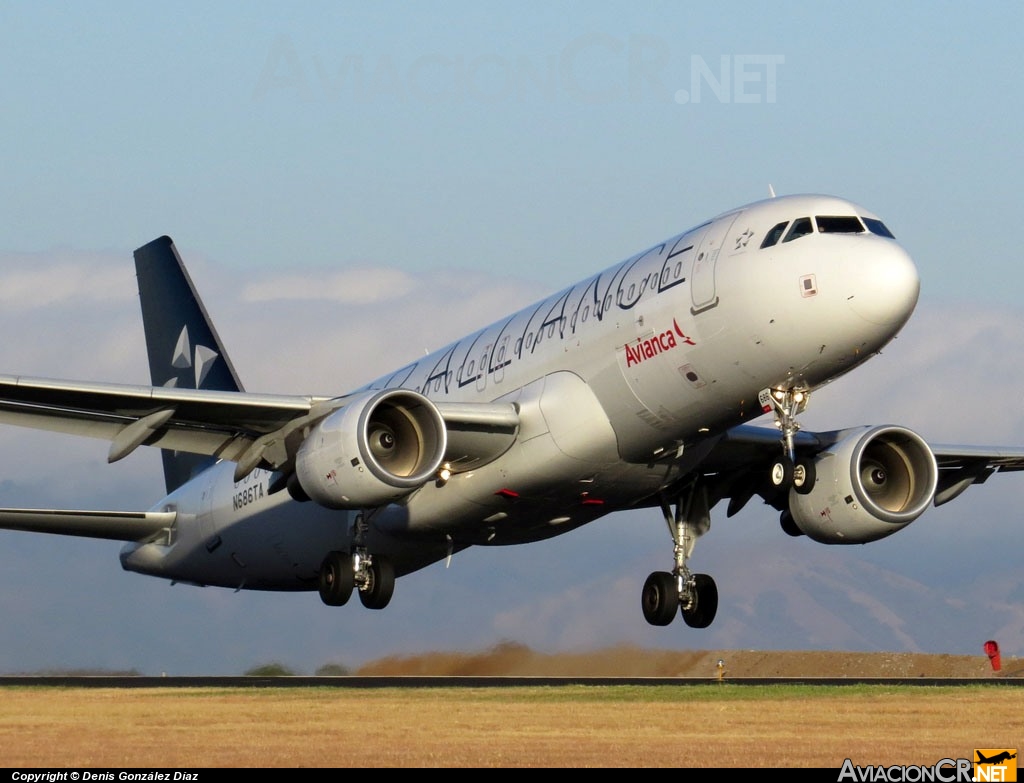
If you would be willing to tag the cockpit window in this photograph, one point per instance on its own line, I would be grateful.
(876, 226)
(773, 236)
(801, 227)
(839, 224)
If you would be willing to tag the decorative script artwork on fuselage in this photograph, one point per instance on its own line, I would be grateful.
(481, 359)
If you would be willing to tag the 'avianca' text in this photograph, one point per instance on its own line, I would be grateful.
(652, 346)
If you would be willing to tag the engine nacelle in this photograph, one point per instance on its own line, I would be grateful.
(868, 485)
(376, 450)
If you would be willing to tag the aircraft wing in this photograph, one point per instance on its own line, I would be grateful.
(736, 458)
(215, 423)
(961, 466)
(250, 429)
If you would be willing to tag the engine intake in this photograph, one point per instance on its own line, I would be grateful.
(869, 485)
(377, 449)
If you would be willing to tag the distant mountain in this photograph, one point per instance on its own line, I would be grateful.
(839, 600)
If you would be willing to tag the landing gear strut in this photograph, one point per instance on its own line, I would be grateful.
(788, 471)
(695, 595)
(342, 572)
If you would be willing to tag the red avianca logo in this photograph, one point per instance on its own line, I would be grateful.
(660, 343)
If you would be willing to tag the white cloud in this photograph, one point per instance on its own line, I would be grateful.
(350, 286)
(32, 281)
(955, 375)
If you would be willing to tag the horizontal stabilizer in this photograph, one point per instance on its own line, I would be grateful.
(113, 525)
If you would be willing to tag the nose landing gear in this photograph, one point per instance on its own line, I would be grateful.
(788, 471)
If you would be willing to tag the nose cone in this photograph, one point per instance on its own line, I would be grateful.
(882, 283)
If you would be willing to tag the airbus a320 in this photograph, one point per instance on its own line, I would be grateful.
(634, 388)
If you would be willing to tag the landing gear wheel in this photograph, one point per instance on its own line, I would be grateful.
(782, 473)
(705, 605)
(336, 579)
(804, 476)
(381, 585)
(660, 598)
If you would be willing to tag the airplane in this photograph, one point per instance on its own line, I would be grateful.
(636, 388)
(996, 759)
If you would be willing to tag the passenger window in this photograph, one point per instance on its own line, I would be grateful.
(801, 227)
(839, 224)
(773, 236)
(876, 226)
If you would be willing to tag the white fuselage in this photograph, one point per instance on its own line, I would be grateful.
(617, 378)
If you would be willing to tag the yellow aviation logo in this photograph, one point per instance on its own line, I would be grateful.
(995, 764)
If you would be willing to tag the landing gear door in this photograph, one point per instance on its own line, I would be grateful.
(702, 279)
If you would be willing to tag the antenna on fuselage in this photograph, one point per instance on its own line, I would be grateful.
(771, 190)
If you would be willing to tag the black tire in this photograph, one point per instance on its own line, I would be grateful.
(660, 598)
(381, 587)
(703, 612)
(782, 473)
(804, 476)
(336, 579)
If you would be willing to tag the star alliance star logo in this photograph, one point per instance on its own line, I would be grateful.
(183, 358)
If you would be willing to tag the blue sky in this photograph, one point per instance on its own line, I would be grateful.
(331, 170)
(482, 135)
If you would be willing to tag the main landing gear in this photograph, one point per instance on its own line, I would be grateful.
(788, 471)
(694, 595)
(342, 572)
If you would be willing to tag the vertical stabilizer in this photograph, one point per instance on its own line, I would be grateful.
(183, 346)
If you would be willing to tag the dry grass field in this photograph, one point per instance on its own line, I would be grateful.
(585, 726)
(713, 725)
